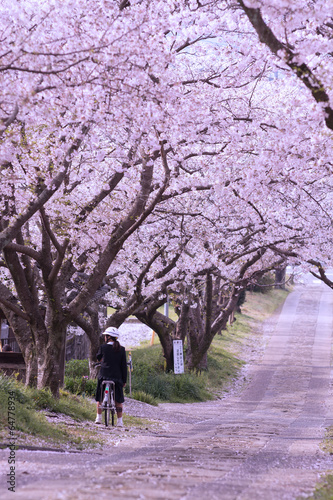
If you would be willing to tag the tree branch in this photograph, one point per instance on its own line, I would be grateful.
(15, 309)
(301, 70)
(10, 232)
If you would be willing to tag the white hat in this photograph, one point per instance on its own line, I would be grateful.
(112, 331)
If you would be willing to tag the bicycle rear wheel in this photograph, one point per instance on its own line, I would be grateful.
(112, 404)
(107, 411)
(107, 416)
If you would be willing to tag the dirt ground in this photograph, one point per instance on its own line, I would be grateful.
(262, 441)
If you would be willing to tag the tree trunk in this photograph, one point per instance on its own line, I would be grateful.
(200, 337)
(30, 359)
(23, 336)
(51, 362)
(196, 360)
(280, 278)
(196, 331)
(93, 370)
(50, 340)
(182, 323)
(95, 341)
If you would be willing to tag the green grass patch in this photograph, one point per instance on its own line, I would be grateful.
(80, 385)
(259, 307)
(327, 445)
(144, 397)
(77, 379)
(28, 404)
(324, 491)
(150, 378)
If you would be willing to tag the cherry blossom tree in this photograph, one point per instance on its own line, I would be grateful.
(151, 146)
(64, 90)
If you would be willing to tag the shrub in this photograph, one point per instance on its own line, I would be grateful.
(77, 368)
(80, 385)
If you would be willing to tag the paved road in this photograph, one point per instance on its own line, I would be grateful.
(262, 443)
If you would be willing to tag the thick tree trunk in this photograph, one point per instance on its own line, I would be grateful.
(280, 278)
(51, 362)
(201, 332)
(196, 360)
(199, 325)
(164, 327)
(30, 359)
(23, 336)
(50, 347)
(182, 323)
(196, 331)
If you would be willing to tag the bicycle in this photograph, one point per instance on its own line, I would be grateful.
(108, 401)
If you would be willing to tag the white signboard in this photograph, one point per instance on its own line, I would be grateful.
(4, 330)
(178, 358)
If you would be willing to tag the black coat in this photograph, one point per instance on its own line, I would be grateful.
(114, 365)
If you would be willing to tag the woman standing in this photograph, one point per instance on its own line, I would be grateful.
(113, 367)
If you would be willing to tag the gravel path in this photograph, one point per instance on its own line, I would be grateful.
(260, 442)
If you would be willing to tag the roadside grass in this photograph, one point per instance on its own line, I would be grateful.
(327, 445)
(324, 490)
(257, 308)
(150, 380)
(144, 397)
(81, 385)
(30, 405)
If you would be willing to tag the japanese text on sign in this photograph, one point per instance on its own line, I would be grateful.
(178, 359)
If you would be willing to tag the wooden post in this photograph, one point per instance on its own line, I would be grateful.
(152, 338)
(130, 368)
